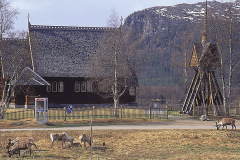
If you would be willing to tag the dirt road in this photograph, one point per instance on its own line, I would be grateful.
(177, 123)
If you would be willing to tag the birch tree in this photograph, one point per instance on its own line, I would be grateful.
(14, 59)
(223, 28)
(111, 69)
(7, 17)
(231, 24)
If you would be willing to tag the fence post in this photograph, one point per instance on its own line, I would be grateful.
(150, 112)
(91, 138)
(167, 110)
(34, 112)
(121, 110)
(65, 114)
(93, 112)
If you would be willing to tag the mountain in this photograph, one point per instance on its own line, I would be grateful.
(161, 34)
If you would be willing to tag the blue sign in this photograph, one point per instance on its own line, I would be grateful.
(69, 109)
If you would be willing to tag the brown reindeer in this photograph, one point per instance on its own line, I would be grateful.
(18, 144)
(226, 121)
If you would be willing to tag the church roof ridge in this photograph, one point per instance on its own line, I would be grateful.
(70, 28)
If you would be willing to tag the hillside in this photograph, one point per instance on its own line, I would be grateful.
(160, 37)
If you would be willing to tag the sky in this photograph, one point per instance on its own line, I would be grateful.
(84, 13)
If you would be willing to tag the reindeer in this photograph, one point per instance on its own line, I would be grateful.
(225, 122)
(60, 137)
(18, 144)
(83, 139)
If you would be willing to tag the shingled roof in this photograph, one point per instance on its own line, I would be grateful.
(60, 51)
(210, 58)
(206, 56)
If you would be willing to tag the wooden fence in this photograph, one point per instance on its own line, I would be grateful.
(98, 112)
(107, 112)
(234, 111)
(17, 115)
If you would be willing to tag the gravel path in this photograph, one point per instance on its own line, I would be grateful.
(178, 123)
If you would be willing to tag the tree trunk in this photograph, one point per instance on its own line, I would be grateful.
(115, 89)
(185, 70)
(220, 50)
(116, 103)
(223, 86)
(7, 94)
(230, 64)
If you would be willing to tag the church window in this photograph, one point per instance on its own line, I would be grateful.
(89, 86)
(83, 87)
(48, 88)
(60, 87)
(77, 86)
(54, 86)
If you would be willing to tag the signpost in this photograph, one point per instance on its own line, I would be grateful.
(69, 109)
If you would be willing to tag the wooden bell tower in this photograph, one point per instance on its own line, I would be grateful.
(204, 90)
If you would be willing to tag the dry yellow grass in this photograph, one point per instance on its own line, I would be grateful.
(31, 123)
(137, 144)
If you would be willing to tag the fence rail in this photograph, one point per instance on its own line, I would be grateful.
(98, 112)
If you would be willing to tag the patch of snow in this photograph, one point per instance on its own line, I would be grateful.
(164, 9)
(191, 18)
(161, 11)
(194, 12)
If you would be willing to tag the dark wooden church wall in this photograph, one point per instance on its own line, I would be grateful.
(69, 96)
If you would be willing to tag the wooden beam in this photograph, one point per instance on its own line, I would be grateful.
(218, 88)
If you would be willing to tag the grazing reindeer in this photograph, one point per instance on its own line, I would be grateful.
(83, 139)
(60, 137)
(225, 122)
(18, 144)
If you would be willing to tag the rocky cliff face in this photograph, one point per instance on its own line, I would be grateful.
(160, 19)
(158, 35)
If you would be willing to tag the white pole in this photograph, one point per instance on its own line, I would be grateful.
(0, 140)
(91, 138)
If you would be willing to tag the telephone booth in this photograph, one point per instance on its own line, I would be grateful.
(156, 103)
(41, 110)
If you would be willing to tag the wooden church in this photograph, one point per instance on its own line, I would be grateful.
(204, 90)
(57, 63)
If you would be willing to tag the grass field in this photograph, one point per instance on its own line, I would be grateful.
(137, 144)
(31, 123)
